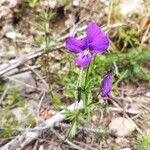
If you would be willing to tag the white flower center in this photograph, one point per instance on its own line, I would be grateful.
(86, 51)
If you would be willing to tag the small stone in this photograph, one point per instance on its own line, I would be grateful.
(22, 113)
(76, 2)
(95, 119)
(52, 4)
(24, 82)
(21, 116)
(70, 21)
(126, 149)
(41, 147)
(129, 7)
(55, 66)
(66, 68)
(11, 35)
(121, 127)
(7, 28)
(147, 94)
(122, 142)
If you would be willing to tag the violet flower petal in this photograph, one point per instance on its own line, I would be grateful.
(96, 39)
(94, 32)
(106, 85)
(99, 46)
(83, 60)
(74, 45)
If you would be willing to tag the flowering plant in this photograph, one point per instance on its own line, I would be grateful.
(95, 42)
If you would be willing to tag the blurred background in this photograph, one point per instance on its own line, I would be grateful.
(37, 71)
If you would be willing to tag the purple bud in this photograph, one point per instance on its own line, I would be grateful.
(106, 85)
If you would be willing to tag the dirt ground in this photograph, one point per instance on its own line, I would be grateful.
(30, 77)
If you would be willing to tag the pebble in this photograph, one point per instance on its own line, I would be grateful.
(147, 94)
(22, 113)
(121, 127)
(122, 141)
(11, 35)
(76, 2)
(24, 82)
(126, 149)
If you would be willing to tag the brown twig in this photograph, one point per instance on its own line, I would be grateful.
(24, 139)
(133, 112)
(4, 94)
(42, 95)
(36, 73)
(20, 61)
(67, 141)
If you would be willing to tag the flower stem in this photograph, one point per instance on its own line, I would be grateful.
(80, 78)
(87, 92)
(86, 76)
(79, 81)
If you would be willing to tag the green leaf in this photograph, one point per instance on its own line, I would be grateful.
(73, 129)
(133, 52)
(38, 40)
(33, 3)
(47, 16)
(56, 100)
(112, 57)
(6, 132)
(13, 97)
(144, 143)
(82, 119)
(39, 27)
(69, 93)
(143, 57)
(136, 68)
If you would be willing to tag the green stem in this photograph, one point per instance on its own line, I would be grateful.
(85, 100)
(86, 94)
(86, 76)
(79, 81)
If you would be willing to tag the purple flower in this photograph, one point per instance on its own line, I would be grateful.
(107, 85)
(95, 41)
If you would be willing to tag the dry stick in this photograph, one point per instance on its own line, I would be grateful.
(25, 42)
(27, 68)
(42, 95)
(85, 26)
(61, 125)
(146, 36)
(24, 139)
(67, 141)
(18, 71)
(21, 82)
(36, 145)
(4, 94)
(59, 37)
(94, 130)
(36, 73)
(11, 65)
(67, 35)
(133, 112)
(136, 126)
(20, 61)
(87, 147)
